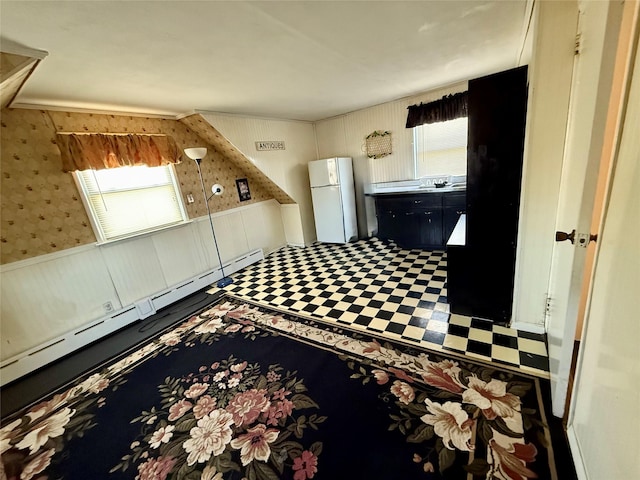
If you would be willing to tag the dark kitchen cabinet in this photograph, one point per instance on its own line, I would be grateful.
(421, 220)
(497, 111)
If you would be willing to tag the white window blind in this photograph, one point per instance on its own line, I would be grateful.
(441, 148)
(128, 201)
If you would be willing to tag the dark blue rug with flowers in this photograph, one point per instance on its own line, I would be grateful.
(238, 391)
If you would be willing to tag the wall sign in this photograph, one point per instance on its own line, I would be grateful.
(270, 145)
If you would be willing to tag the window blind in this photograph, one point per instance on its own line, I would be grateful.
(128, 201)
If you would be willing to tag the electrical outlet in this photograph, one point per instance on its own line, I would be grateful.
(108, 307)
(190, 198)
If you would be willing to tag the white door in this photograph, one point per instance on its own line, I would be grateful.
(327, 211)
(590, 95)
(606, 394)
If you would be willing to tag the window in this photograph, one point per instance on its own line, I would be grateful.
(127, 201)
(441, 148)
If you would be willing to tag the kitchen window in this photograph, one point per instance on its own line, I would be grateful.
(441, 148)
(128, 201)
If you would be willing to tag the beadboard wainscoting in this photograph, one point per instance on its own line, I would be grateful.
(51, 299)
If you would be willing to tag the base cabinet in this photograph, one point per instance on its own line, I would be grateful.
(423, 220)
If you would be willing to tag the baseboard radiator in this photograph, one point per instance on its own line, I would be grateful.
(26, 362)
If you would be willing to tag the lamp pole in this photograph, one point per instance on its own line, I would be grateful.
(224, 281)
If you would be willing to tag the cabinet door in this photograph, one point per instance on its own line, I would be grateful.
(430, 227)
(387, 225)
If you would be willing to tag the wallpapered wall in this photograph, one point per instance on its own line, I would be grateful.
(42, 211)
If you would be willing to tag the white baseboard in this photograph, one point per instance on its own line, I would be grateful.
(529, 327)
(37, 357)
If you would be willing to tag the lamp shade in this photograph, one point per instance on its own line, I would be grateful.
(197, 153)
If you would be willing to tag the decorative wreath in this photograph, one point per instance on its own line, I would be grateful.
(378, 144)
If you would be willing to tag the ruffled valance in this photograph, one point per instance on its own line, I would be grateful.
(447, 108)
(97, 151)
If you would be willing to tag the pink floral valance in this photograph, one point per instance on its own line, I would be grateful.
(97, 151)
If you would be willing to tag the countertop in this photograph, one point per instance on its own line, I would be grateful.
(419, 190)
(458, 237)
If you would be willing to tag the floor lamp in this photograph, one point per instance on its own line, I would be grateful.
(197, 154)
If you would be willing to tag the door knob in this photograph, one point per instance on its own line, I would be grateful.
(562, 236)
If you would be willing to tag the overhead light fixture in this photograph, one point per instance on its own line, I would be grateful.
(197, 154)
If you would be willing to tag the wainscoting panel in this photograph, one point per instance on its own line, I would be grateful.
(266, 225)
(180, 253)
(59, 294)
(231, 235)
(43, 300)
(135, 268)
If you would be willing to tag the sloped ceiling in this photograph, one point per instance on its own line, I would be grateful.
(305, 60)
(208, 133)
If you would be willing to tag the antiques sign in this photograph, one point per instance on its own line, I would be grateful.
(270, 145)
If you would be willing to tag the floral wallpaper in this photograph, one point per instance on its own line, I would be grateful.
(42, 211)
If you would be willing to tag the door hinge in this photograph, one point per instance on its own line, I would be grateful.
(578, 44)
(547, 306)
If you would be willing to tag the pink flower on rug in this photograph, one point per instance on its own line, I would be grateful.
(209, 327)
(492, 398)
(37, 465)
(247, 406)
(204, 406)
(403, 391)
(240, 312)
(218, 310)
(254, 445)
(45, 408)
(50, 427)
(451, 423)
(273, 376)
(512, 462)
(281, 394)
(279, 410)
(178, 409)
(374, 346)
(160, 436)
(401, 374)
(209, 437)
(196, 390)
(381, 376)
(232, 328)
(305, 466)
(155, 468)
(443, 375)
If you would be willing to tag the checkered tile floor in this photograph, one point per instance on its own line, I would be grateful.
(377, 287)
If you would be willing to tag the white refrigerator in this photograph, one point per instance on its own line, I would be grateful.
(334, 203)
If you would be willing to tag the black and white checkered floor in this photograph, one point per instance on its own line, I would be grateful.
(378, 287)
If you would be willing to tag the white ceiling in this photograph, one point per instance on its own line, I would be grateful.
(305, 60)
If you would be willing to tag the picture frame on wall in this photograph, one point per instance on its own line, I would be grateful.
(243, 189)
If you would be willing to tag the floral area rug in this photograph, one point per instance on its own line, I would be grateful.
(241, 392)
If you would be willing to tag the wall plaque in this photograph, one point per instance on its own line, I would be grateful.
(270, 145)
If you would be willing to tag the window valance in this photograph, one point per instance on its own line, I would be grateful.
(97, 151)
(447, 108)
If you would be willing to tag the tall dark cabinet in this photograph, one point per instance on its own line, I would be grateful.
(481, 273)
